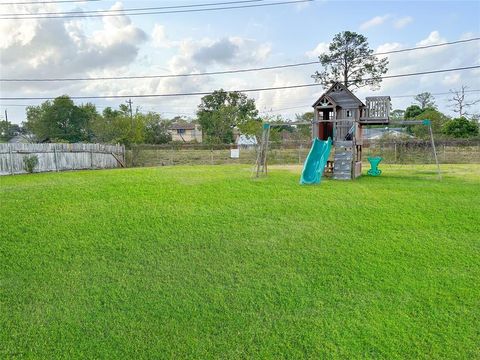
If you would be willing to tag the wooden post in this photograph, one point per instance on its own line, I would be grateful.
(300, 154)
(211, 155)
(55, 157)
(395, 161)
(11, 158)
(91, 157)
(435, 152)
(171, 156)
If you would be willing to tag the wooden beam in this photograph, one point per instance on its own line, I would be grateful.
(118, 160)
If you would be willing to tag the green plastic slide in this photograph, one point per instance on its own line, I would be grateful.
(316, 161)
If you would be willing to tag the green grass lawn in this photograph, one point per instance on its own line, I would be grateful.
(204, 262)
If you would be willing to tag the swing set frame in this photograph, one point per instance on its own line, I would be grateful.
(261, 164)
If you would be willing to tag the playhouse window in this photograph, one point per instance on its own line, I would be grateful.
(180, 131)
(349, 113)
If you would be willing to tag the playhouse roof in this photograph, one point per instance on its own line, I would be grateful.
(341, 96)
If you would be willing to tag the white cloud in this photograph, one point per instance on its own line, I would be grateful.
(425, 60)
(59, 48)
(159, 37)
(375, 21)
(402, 22)
(433, 38)
(192, 56)
(319, 49)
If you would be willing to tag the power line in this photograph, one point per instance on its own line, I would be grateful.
(47, 2)
(133, 9)
(243, 90)
(34, 16)
(234, 71)
(427, 46)
(392, 96)
(151, 107)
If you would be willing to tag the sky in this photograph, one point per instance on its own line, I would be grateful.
(160, 44)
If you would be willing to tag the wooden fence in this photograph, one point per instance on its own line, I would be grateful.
(59, 157)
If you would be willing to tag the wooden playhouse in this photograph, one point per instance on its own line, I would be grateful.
(340, 115)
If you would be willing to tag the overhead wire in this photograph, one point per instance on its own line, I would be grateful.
(47, 2)
(85, 15)
(242, 90)
(85, 12)
(233, 71)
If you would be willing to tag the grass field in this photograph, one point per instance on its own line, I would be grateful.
(204, 262)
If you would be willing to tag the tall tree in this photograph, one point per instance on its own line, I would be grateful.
(459, 103)
(220, 112)
(412, 112)
(60, 120)
(156, 128)
(351, 61)
(437, 120)
(118, 126)
(425, 100)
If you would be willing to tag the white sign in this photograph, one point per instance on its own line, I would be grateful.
(234, 153)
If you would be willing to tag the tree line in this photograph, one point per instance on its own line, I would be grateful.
(464, 125)
(219, 115)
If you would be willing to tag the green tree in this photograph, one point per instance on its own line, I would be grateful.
(412, 112)
(156, 129)
(304, 131)
(117, 126)
(106, 127)
(281, 127)
(220, 112)
(61, 120)
(8, 130)
(350, 60)
(425, 100)
(437, 120)
(461, 128)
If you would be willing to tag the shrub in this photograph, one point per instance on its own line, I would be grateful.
(30, 162)
(461, 128)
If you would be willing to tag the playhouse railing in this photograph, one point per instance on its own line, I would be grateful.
(377, 107)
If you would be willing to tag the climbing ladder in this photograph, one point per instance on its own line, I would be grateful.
(261, 163)
(342, 164)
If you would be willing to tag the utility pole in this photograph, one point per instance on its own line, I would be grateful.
(129, 102)
(6, 115)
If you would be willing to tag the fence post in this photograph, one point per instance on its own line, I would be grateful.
(55, 157)
(211, 155)
(395, 159)
(171, 156)
(300, 154)
(11, 158)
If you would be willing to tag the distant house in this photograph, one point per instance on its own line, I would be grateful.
(382, 133)
(187, 132)
(21, 139)
(246, 141)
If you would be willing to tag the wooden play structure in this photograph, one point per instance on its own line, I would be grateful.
(337, 135)
(340, 115)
